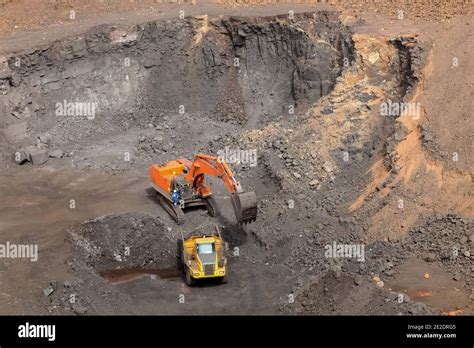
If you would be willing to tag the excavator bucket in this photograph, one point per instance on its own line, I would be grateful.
(245, 207)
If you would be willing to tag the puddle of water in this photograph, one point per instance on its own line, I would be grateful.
(439, 291)
(117, 276)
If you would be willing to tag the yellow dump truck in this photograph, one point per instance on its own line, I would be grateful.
(201, 256)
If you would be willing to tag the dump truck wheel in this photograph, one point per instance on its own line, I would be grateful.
(223, 280)
(190, 281)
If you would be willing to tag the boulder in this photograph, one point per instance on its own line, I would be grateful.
(56, 153)
(21, 156)
(327, 166)
(37, 155)
(430, 257)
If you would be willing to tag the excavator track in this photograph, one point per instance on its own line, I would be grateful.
(175, 211)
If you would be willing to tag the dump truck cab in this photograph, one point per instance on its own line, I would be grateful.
(202, 256)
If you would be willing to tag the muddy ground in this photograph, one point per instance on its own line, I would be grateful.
(305, 91)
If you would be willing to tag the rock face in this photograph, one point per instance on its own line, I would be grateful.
(289, 63)
(241, 69)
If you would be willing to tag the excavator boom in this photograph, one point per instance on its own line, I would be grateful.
(244, 203)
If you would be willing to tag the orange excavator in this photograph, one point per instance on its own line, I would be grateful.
(181, 184)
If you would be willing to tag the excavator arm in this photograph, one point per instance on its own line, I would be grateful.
(210, 165)
(244, 203)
